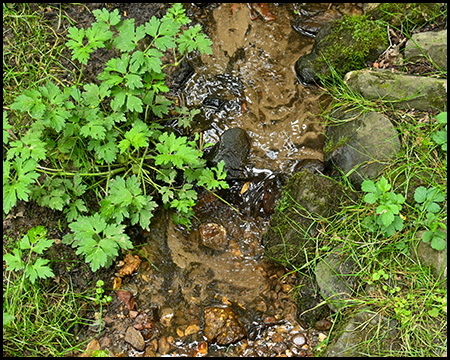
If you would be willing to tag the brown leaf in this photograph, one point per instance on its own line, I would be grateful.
(245, 187)
(131, 264)
(127, 298)
(117, 283)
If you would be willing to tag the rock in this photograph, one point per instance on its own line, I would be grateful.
(222, 326)
(353, 334)
(428, 256)
(214, 236)
(432, 44)
(361, 146)
(233, 148)
(285, 242)
(310, 26)
(336, 43)
(404, 91)
(299, 340)
(163, 345)
(323, 325)
(334, 275)
(167, 315)
(135, 338)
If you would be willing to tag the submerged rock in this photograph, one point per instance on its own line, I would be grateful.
(214, 236)
(223, 326)
(233, 148)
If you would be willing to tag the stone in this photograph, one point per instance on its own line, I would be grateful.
(360, 147)
(285, 242)
(432, 44)
(233, 148)
(163, 345)
(135, 338)
(403, 91)
(222, 326)
(428, 256)
(362, 333)
(214, 236)
(334, 275)
(336, 43)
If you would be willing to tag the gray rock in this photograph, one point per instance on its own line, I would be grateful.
(431, 44)
(233, 148)
(335, 280)
(360, 147)
(135, 338)
(403, 91)
(362, 333)
(428, 256)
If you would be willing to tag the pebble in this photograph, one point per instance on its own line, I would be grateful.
(323, 325)
(135, 338)
(299, 340)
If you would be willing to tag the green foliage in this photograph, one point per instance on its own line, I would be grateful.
(34, 267)
(386, 217)
(427, 202)
(440, 137)
(105, 144)
(99, 293)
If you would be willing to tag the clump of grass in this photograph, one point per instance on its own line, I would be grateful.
(39, 318)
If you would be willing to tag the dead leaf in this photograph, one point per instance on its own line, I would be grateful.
(127, 298)
(92, 346)
(245, 187)
(117, 283)
(131, 264)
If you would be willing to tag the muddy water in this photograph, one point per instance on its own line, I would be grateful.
(248, 82)
(251, 77)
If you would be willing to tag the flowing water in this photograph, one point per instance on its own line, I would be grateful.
(248, 82)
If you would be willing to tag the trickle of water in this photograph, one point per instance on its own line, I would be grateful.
(250, 82)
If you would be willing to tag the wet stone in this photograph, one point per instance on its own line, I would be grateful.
(299, 340)
(222, 326)
(135, 338)
(214, 236)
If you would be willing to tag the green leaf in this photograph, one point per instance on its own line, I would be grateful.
(420, 195)
(6, 127)
(370, 198)
(383, 185)
(368, 186)
(14, 262)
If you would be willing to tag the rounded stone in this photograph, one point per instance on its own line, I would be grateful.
(214, 236)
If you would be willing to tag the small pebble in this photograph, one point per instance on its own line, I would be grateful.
(299, 340)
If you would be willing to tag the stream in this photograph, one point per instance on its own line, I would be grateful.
(249, 82)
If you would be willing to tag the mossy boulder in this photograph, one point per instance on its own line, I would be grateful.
(412, 14)
(289, 239)
(345, 44)
(402, 90)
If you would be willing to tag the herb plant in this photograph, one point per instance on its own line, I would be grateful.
(440, 136)
(26, 256)
(427, 203)
(386, 217)
(99, 152)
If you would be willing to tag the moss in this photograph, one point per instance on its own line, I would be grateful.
(331, 147)
(353, 40)
(408, 14)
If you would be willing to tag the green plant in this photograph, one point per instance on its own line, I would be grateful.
(386, 217)
(99, 291)
(427, 202)
(440, 136)
(103, 148)
(34, 267)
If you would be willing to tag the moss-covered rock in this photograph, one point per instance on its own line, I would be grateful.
(290, 237)
(346, 44)
(411, 14)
